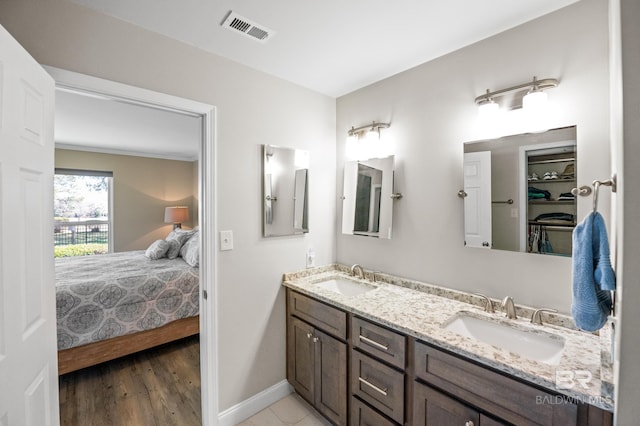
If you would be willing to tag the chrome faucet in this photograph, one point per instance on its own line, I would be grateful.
(509, 307)
(488, 305)
(357, 268)
(536, 317)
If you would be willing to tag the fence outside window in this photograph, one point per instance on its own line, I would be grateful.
(81, 232)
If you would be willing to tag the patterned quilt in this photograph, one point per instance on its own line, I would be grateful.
(104, 296)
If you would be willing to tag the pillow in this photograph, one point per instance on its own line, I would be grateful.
(176, 239)
(158, 249)
(190, 251)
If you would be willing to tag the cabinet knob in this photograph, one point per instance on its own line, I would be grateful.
(309, 335)
(469, 423)
(315, 340)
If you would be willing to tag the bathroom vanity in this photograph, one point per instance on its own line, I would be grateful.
(383, 353)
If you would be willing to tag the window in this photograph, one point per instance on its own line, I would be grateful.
(82, 212)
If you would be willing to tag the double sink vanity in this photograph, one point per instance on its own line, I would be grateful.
(376, 349)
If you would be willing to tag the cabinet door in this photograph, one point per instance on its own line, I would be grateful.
(432, 408)
(363, 415)
(331, 377)
(300, 358)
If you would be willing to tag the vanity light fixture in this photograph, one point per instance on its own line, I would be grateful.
(370, 129)
(534, 98)
(365, 142)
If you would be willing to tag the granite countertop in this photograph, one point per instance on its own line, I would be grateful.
(421, 310)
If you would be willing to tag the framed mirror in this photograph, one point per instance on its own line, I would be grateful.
(284, 191)
(367, 202)
(517, 192)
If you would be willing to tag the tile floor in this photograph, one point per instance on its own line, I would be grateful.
(289, 411)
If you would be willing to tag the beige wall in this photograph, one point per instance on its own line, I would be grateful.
(432, 112)
(142, 188)
(252, 109)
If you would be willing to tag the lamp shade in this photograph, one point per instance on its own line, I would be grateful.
(177, 214)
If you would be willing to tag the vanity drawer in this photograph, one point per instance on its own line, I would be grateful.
(379, 385)
(502, 396)
(320, 315)
(363, 415)
(380, 342)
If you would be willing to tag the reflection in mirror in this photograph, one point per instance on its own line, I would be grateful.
(367, 199)
(285, 191)
(518, 192)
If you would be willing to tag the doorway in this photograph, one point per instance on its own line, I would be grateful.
(70, 81)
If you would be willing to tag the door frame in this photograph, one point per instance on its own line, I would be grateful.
(523, 182)
(206, 211)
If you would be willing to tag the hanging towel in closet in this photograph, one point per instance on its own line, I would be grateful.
(593, 276)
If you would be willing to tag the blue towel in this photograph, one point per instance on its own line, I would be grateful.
(593, 277)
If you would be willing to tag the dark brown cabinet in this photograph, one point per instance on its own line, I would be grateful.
(317, 362)
(431, 407)
(357, 372)
(495, 396)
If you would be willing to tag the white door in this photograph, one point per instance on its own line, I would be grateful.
(28, 358)
(477, 203)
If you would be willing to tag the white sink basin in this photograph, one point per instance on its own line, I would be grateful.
(345, 287)
(535, 345)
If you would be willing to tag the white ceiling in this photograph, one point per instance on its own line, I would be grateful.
(100, 124)
(332, 47)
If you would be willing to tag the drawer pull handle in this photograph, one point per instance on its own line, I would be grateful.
(469, 423)
(372, 386)
(374, 343)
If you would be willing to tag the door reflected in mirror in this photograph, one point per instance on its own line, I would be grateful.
(367, 198)
(517, 192)
(284, 191)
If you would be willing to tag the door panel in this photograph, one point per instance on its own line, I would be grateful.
(301, 358)
(28, 357)
(331, 368)
(477, 203)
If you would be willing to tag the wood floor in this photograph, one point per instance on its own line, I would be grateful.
(160, 386)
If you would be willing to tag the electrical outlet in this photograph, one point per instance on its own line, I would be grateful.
(226, 240)
(311, 258)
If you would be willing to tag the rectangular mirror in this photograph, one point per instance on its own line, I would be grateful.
(285, 191)
(367, 203)
(517, 192)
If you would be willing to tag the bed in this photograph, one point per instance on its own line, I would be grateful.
(116, 304)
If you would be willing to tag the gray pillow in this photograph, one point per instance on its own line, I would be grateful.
(176, 239)
(157, 250)
(190, 251)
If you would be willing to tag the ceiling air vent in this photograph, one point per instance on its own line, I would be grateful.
(246, 27)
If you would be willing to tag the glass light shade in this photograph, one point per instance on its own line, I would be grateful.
(535, 101)
(301, 159)
(488, 110)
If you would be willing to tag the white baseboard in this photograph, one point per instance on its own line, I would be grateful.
(247, 408)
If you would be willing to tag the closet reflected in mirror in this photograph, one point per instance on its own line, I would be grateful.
(517, 192)
(284, 191)
(367, 203)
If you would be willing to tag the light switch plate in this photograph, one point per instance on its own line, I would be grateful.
(226, 240)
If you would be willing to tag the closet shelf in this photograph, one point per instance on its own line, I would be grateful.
(551, 202)
(559, 180)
